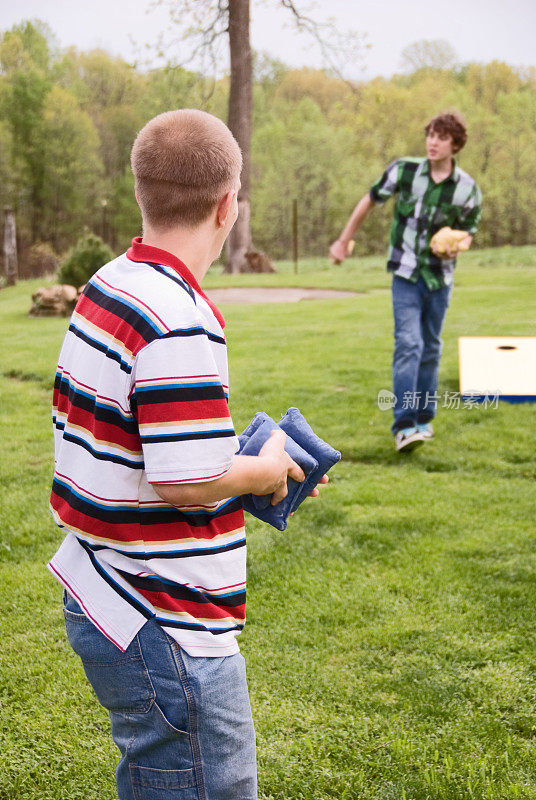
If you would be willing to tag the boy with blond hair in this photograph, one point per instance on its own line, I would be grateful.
(147, 481)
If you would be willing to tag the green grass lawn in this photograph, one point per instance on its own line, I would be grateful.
(391, 629)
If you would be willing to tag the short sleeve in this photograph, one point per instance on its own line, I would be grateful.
(180, 405)
(387, 185)
(471, 212)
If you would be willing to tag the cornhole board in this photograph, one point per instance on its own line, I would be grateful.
(503, 366)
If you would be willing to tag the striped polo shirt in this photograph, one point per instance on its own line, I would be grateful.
(422, 208)
(140, 398)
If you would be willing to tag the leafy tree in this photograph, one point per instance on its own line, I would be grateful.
(508, 185)
(124, 211)
(72, 169)
(486, 82)
(8, 177)
(328, 91)
(68, 119)
(24, 60)
(172, 87)
(105, 81)
(110, 93)
(285, 169)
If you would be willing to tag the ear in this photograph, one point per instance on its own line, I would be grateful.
(224, 206)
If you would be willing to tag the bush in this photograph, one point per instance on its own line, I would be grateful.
(84, 259)
(38, 260)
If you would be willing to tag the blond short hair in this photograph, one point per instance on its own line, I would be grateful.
(184, 162)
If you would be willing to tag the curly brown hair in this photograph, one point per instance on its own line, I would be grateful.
(451, 123)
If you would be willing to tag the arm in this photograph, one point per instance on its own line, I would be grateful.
(470, 218)
(339, 249)
(263, 474)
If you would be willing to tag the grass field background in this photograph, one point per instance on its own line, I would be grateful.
(390, 641)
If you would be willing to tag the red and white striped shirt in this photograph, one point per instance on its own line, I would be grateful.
(141, 397)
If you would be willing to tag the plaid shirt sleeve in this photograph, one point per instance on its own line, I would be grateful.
(387, 185)
(471, 212)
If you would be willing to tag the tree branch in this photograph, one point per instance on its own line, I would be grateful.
(332, 43)
(208, 24)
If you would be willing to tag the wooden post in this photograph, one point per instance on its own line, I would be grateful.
(104, 204)
(295, 233)
(11, 265)
(240, 111)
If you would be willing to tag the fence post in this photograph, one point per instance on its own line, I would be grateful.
(10, 247)
(295, 233)
(104, 204)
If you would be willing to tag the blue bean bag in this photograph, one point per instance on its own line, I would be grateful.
(313, 454)
(296, 426)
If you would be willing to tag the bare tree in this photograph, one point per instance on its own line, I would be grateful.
(240, 111)
(204, 24)
(428, 54)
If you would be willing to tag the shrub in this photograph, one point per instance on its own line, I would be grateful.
(84, 259)
(37, 260)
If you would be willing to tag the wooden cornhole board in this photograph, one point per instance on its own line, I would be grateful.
(498, 365)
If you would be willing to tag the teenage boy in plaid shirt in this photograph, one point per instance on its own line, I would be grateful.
(433, 192)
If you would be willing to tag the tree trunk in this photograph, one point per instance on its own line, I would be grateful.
(240, 108)
(10, 247)
(514, 202)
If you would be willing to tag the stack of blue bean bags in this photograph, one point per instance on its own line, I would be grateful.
(313, 454)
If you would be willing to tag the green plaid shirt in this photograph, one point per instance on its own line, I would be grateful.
(422, 208)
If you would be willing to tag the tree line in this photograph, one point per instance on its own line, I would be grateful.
(68, 120)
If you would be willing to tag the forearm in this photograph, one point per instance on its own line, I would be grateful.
(247, 474)
(358, 216)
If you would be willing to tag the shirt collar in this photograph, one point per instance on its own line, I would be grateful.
(148, 254)
(454, 175)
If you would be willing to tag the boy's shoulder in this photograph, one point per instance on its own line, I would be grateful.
(416, 160)
(406, 164)
(156, 293)
(464, 178)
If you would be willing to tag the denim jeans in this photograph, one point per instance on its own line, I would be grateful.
(418, 315)
(182, 724)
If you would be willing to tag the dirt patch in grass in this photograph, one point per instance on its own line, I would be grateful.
(272, 295)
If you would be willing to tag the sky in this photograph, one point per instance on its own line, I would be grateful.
(478, 30)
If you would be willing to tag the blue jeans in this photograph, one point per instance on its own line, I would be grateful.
(418, 315)
(182, 724)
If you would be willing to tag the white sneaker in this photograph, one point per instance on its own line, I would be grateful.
(426, 429)
(408, 439)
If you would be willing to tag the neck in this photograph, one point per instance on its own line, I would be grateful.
(442, 166)
(193, 246)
